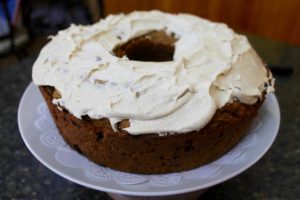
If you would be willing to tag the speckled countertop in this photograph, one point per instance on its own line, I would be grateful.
(275, 176)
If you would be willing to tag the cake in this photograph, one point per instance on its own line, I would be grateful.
(151, 92)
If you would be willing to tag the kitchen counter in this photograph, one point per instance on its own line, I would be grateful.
(275, 176)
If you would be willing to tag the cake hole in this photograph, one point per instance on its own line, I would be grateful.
(49, 90)
(156, 46)
(188, 145)
(75, 124)
(135, 158)
(221, 134)
(99, 136)
(176, 155)
(161, 157)
(76, 147)
(86, 118)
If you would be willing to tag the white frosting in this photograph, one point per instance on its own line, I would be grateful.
(211, 66)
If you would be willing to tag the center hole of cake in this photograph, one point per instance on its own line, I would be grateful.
(156, 46)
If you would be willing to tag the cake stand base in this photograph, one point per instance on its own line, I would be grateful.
(185, 196)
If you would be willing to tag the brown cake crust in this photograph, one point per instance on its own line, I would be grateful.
(151, 153)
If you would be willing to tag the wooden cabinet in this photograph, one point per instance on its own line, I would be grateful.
(277, 19)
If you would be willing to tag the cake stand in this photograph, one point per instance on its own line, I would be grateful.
(43, 140)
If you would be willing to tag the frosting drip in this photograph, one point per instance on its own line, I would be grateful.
(211, 66)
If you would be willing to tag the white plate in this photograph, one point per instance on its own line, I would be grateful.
(42, 139)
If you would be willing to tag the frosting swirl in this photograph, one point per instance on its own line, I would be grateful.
(211, 66)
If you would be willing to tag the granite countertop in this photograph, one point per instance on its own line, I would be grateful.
(275, 176)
